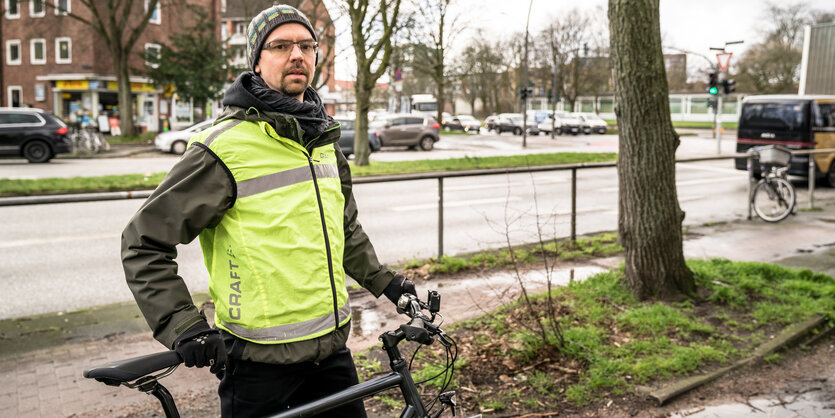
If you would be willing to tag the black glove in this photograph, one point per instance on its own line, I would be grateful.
(202, 346)
(398, 286)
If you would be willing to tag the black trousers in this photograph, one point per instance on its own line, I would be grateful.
(250, 389)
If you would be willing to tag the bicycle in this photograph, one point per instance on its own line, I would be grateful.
(88, 139)
(773, 196)
(137, 372)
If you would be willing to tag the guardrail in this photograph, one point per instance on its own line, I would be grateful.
(440, 176)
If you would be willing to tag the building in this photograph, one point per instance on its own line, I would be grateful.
(55, 62)
(236, 15)
(817, 68)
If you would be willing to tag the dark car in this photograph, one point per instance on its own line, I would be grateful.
(32, 134)
(512, 122)
(346, 137)
(411, 130)
(490, 122)
(465, 123)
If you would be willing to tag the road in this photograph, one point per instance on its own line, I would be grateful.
(450, 146)
(66, 256)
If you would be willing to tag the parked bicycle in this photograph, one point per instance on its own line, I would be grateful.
(773, 196)
(137, 373)
(88, 140)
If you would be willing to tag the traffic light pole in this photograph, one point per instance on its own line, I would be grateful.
(717, 114)
(525, 85)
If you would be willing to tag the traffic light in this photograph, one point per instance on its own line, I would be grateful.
(523, 93)
(713, 84)
(729, 86)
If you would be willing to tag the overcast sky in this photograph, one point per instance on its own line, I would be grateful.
(686, 24)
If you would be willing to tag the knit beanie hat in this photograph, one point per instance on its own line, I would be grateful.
(264, 23)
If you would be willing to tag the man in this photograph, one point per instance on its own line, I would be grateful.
(268, 191)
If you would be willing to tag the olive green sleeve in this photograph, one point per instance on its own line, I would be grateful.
(359, 259)
(194, 195)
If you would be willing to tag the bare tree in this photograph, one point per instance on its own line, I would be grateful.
(119, 26)
(649, 215)
(564, 39)
(772, 66)
(371, 31)
(432, 46)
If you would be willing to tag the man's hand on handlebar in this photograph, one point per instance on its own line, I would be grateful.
(202, 346)
(398, 286)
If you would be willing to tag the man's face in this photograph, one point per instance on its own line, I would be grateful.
(289, 73)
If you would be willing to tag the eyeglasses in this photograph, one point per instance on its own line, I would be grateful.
(284, 47)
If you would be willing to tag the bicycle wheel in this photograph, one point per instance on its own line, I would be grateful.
(773, 200)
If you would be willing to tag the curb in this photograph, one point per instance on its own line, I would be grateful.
(114, 154)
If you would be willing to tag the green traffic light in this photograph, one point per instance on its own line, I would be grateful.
(713, 90)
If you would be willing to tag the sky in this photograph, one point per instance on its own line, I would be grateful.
(685, 24)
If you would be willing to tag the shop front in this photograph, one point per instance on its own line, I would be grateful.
(87, 101)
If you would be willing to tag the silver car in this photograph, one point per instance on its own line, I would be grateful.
(410, 129)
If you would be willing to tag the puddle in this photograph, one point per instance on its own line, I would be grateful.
(802, 406)
(461, 298)
(365, 322)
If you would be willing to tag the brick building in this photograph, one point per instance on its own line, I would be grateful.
(55, 62)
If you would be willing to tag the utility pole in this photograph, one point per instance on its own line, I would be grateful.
(525, 84)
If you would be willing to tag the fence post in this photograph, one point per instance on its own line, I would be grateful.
(440, 217)
(750, 167)
(811, 181)
(573, 205)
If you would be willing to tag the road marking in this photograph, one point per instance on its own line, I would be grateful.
(55, 240)
(705, 167)
(455, 204)
(678, 183)
(537, 182)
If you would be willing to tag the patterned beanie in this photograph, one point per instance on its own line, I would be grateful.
(264, 23)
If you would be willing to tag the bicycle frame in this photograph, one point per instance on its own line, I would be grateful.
(400, 377)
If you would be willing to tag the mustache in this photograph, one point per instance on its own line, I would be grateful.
(295, 68)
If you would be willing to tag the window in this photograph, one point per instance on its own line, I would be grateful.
(40, 92)
(37, 48)
(62, 7)
(63, 50)
(152, 51)
(12, 9)
(156, 16)
(825, 115)
(14, 95)
(36, 8)
(13, 52)
(240, 27)
(772, 116)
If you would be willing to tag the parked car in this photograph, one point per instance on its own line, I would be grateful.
(465, 123)
(490, 122)
(546, 125)
(175, 142)
(569, 124)
(33, 134)
(346, 137)
(512, 122)
(409, 129)
(590, 122)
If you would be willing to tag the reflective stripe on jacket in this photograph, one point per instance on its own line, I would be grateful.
(275, 258)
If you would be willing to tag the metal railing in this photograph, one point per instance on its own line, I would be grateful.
(440, 176)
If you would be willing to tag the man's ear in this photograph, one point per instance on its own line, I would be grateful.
(258, 69)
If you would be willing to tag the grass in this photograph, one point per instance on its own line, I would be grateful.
(601, 245)
(619, 342)
(143, 138)
(31, 187)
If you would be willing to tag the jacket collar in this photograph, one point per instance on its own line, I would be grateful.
(285, 125)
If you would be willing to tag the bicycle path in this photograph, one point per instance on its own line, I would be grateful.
(48, 383)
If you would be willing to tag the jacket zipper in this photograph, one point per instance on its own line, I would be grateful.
(327, 241)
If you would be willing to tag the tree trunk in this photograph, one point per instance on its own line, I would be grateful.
(125, 99)
(649, 215)
(361, 145)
